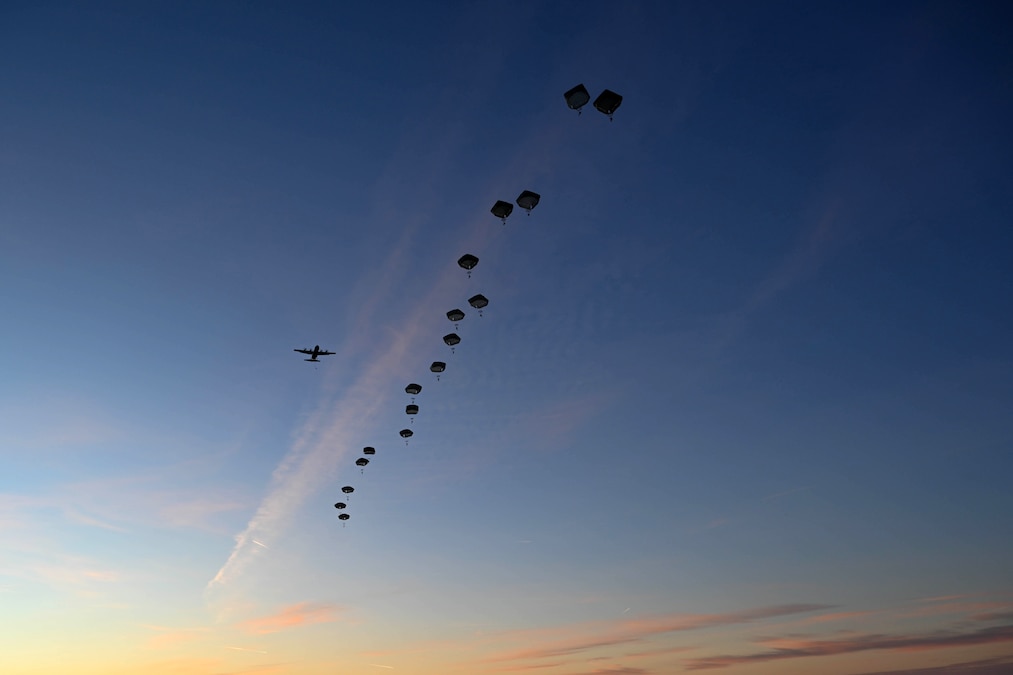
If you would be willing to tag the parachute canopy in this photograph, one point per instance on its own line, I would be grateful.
(455, 315)
(413, 389)
(406, 433)
(453, 338)
(577, 97)
(348, 489)
(478, 302)
(343, 516)
(411, 409)
(362, 461)
(608, 102)
(438, 366)
(368, 450)
(340, 505)
(467, 261)
(502, 209)
(528, 200)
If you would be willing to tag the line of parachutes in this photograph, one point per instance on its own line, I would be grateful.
(607, 102)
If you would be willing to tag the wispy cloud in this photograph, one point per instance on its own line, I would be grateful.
(997, 666)
(658, 652)
(619, 670)
(793, 648)
(302, 614)
(195, 513)
(83, 519)
(311, 461)
(587, 637)
(514, 668)
(67, 572)
(566, 648)
(1005, 615)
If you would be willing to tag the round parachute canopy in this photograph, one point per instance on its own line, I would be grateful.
(577, 97)
(528, 200)
(608, 102)
(467, 261)
(343, 516)
(455, 315)
(413, 389)
(340, 505)
(438, 366)
(452, 339)
(369, 450)
(348, 489)
(477, 301)
(411, 409)
(362, 461)
(502, 209)
(406, 433)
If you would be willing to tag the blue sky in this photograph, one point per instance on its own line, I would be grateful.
(740, 400)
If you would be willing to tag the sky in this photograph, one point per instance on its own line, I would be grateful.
(739, 403)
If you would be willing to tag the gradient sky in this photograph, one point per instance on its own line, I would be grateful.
(740, 402)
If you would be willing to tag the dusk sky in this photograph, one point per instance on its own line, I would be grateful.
(741, 401)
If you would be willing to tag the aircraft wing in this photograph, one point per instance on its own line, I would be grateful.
(303, 351)
(325, 353)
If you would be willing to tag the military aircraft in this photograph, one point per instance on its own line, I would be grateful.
(314, 353)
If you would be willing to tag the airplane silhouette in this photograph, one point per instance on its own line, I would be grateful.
(314, 353)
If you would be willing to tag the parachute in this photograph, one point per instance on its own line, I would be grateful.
(528, 200)
(452, 339)
(502, 210)
(577, 98)
(413, 389)
(369, 450)
(406, 434)
(438, 367)
(340, 505)
(362, 462)
(348, 489)
(478, 302)
(608, 102)
(455, 315)
(343, 516)
(411, 409)
(467, 262)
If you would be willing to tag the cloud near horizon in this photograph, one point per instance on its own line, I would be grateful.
(629, 631)
(998, 666)
(793, 648)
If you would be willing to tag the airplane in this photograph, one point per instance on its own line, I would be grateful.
(314, 353)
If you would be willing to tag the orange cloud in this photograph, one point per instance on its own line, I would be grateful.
(301, 614)
(792, 648)
(631, 631)
(997, 666)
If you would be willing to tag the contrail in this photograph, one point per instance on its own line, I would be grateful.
(311, 461)
(258, 543)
